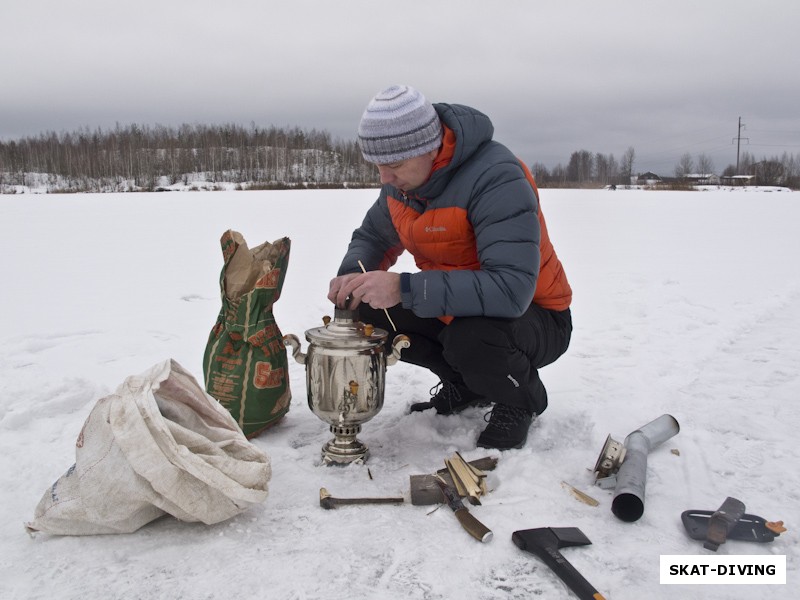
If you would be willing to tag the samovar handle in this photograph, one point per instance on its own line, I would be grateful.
(398, 343)
(290, 340)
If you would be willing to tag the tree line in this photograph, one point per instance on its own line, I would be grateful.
(591, 169)
(781, 170)
(587, 168)
(144, 158)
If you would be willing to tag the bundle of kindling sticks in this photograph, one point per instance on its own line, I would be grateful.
(469, 480)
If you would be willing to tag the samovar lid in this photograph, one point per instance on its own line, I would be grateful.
(346, 331)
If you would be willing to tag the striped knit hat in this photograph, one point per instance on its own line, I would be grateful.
(398, 123)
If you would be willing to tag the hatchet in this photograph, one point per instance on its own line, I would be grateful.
(329, 502)
(545, 543)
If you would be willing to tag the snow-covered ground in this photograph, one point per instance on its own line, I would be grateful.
(685, 303)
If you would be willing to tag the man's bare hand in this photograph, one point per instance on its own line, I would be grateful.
(379, 289)
(339, 289)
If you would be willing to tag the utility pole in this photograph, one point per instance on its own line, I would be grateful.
(738, 139)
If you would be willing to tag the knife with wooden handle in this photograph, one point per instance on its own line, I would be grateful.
(470, 524)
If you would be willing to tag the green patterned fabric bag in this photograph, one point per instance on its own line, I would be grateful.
(245, 362)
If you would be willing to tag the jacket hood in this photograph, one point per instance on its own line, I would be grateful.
(472, 130)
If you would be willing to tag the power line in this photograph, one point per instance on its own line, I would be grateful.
(776, 145)
(774, 131)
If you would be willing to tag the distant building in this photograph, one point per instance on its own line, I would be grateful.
(741, 180)
(648, 178)
(701, 178)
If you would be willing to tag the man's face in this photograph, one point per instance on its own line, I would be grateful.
(408, 174)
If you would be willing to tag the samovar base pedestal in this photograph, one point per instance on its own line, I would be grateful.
(344, 448)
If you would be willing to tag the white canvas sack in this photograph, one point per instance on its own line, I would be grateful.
(158, 445)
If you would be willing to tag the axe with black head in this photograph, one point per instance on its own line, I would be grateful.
(546, 542)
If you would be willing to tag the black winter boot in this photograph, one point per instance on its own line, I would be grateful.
(508, 427)
(449, 398)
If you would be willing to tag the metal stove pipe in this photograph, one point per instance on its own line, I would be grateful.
(628, 503)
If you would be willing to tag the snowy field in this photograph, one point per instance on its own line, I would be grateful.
(686, 303)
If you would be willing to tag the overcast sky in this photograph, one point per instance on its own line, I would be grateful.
(663, 77)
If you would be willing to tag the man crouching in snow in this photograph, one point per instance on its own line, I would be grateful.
(490, 304)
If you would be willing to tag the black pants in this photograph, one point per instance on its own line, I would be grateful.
(497, 359)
